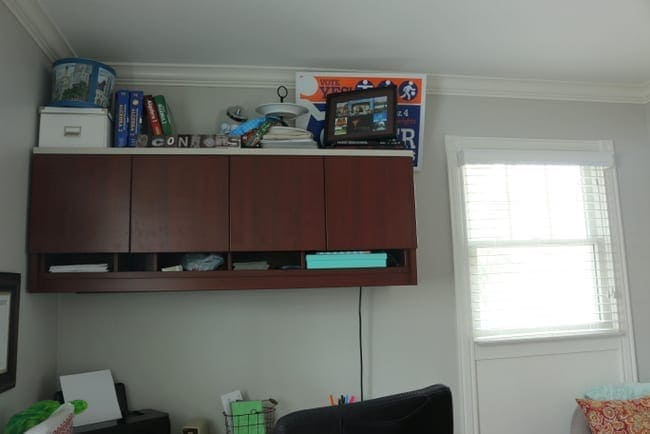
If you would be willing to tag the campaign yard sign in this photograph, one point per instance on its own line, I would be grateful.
(312, 89)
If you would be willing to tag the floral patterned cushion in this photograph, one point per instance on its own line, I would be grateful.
(617, 417)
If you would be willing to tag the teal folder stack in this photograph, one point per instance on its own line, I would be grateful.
(324, 260)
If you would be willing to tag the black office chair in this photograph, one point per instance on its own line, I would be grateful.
(424, 411)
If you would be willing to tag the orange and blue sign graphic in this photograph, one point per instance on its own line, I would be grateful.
(312, 89)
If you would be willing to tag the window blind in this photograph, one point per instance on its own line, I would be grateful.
(537, 156)
(541, 259)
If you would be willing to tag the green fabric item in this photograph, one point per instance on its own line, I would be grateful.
(37, 413)
(79, 405)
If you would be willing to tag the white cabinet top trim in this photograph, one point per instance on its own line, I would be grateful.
(227, 151)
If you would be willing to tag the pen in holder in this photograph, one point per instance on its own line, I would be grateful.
(342, 399)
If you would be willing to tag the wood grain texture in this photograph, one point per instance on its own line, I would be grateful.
(370, 203)
(225, 280)
(179, 204)
(277, 204)
(79, 203)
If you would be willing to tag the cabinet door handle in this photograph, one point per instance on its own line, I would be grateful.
(71, 131)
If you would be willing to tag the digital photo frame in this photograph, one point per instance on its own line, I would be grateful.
(361, 115)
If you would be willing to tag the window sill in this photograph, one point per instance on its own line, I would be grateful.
(549, 337)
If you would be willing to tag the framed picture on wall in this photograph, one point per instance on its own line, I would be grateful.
(9, 298)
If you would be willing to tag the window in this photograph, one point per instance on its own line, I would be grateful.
(537, 247)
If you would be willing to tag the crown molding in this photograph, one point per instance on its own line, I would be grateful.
(166, 74)
(135, 74)
(49, 38)
(41, 28)
(538, 89)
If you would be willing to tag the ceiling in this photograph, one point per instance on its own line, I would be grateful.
(578, 40)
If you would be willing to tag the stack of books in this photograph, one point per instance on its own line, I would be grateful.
(137, 114)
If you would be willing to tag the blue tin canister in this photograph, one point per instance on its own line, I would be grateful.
(78, 82)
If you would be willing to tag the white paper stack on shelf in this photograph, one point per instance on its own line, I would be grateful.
(79, 268)
(252, 265)
(288, 137)
(97, 388)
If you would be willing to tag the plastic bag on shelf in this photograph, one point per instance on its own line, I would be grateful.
(201, 261)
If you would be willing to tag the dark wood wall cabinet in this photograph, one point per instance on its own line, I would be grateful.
(141, 210)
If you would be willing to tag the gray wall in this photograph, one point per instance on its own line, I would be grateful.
(24, 86)
(180, 352)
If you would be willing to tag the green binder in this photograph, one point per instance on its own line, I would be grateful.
(248, 417)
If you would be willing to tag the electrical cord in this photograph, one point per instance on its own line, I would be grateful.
(360, 343)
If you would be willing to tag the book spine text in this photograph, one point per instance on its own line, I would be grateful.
(163, 115)
(152, 116)
(135, 116)
(121, 137)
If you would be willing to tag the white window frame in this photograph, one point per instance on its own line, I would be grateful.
(455, 146)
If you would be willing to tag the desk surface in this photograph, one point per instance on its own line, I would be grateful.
(137, 422)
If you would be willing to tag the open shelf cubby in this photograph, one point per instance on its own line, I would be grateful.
(141, 272)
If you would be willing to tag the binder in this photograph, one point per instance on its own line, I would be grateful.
(248, 417)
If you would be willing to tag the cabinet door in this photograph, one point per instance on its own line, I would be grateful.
(180, 204)
(277, 203)
(79, 204)
(369, 202)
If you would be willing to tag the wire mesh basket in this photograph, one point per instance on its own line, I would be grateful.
(261, 422)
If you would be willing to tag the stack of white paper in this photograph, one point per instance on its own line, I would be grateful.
(253, 265)
(98, 390)
(79, 268)
(292, 143)
(288, 137)
(287, 133)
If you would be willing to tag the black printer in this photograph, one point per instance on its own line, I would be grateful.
(133, 422)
